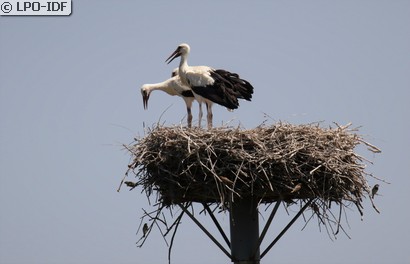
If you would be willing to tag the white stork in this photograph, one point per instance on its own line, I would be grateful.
(172, 86)
(210, 85)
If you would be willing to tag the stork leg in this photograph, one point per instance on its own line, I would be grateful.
(209, 114)
(189, 117)
(189, 112)
(200, 115)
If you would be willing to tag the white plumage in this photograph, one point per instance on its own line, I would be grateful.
(210, 85)
(172, 86)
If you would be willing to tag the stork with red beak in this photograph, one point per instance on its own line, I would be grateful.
(211, 86)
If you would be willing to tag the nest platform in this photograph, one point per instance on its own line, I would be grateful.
(279, 162)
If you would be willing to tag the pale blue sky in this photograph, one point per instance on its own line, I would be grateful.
(70, 97)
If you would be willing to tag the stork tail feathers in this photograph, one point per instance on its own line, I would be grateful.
(242, 88)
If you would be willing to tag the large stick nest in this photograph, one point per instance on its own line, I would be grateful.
(280, 162)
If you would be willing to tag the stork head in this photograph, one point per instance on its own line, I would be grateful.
(181, 50)
(145, 91)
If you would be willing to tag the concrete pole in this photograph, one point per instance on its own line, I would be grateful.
(244, 220)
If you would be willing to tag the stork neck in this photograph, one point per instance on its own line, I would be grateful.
(162, 86)
(183, 64)
(183, 67)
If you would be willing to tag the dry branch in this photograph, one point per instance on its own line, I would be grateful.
(277, 162)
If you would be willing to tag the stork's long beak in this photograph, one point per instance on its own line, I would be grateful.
(174, 55)
(145, 98)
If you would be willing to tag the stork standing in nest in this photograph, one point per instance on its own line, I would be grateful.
(211, 86)
(172, 86)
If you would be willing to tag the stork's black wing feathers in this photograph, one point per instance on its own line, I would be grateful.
(187, 93)
(218, 94)
(226, 89)
(242, 88)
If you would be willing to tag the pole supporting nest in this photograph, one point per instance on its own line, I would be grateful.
(244, 224)
(244, 220)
